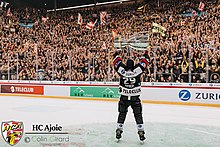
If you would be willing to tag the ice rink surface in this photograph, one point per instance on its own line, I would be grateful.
(93, 123)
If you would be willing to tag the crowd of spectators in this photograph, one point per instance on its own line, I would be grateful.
(60, 49)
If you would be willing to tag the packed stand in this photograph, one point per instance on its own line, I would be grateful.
(60, 49)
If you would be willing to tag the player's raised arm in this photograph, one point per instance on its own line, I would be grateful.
(118, 65)
(117, 60)
(142, 65)
(145, 60)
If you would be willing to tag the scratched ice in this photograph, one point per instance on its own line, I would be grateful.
(92, 123)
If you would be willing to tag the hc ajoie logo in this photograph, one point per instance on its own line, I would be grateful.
(184, 95)
(12, 131)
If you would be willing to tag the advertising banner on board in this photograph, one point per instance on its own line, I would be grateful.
(196, 95)
(22, 89)
(94, 91)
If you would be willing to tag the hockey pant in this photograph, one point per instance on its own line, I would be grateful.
(135, 104)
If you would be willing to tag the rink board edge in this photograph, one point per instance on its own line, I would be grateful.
(112, 100)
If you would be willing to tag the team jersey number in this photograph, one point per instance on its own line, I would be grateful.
(129, 81)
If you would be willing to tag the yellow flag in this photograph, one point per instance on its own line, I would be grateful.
(159, 29)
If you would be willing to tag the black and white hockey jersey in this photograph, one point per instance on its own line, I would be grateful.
(130, 82)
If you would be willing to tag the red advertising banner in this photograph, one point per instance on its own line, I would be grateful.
(22, 89)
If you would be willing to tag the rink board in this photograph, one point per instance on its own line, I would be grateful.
(159, 93)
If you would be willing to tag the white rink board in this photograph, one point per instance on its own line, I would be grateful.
(198, 93)
(56, 90)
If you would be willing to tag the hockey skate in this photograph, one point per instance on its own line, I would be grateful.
(141, 136)
(118, 134)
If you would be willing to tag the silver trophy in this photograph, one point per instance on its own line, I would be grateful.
(138, 43)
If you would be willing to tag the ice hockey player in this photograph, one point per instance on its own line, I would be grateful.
(130, 90)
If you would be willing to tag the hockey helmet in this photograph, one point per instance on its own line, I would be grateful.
(130, 64)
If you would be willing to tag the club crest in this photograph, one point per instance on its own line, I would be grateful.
(12, 132)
